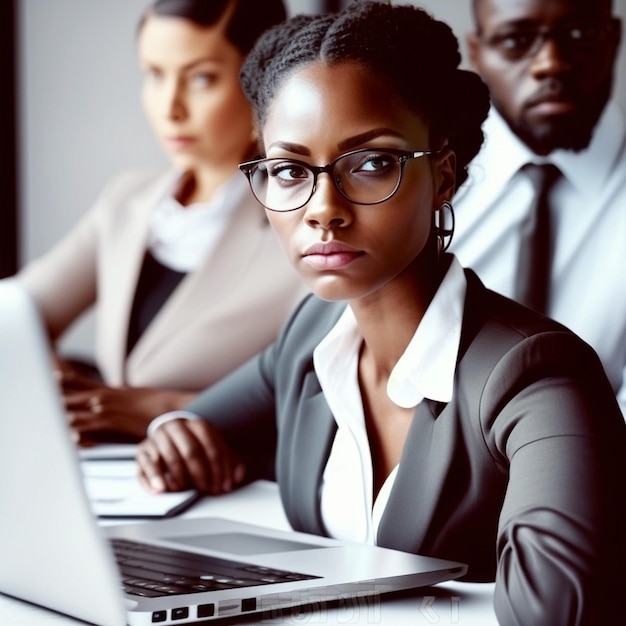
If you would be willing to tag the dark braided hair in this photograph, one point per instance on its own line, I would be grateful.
(415, 54)
(249, 18)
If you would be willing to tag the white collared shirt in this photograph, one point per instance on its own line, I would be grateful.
(181, 237)
(587, 286)
(425, 370)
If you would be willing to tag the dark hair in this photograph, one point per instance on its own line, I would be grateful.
(417, 55)
(248, 20)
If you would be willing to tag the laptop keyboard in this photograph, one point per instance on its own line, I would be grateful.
(154, 571)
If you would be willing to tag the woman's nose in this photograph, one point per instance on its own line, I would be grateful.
(175, 106)
(327, 207)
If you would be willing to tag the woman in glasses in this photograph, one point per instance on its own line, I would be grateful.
(181, 265)
(408, 405)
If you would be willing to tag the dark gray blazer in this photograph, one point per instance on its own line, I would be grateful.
(522, 475)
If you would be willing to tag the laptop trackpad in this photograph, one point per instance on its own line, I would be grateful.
(242, 543)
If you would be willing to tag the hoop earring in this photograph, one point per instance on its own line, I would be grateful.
(444, 225)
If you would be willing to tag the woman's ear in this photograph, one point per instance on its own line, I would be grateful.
(444, 175)
(473, 51)
(254, 131)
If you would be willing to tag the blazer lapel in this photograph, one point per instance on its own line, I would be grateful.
(316, 426)
(125, 250)
(201, 291)
(426, 464)
(421, 475)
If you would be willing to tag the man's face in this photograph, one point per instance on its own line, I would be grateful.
(548, 65)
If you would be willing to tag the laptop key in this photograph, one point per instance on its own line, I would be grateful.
(146, 593)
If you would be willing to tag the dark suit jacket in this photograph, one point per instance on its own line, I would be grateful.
(521, 475)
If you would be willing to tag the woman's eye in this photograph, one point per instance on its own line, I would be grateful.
(203, 79)
(288, 172)
(153, 75)
(373, 163)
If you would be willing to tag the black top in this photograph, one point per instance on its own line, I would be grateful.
(155, 285)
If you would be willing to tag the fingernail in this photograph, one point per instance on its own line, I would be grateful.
(157, 484)
(240, 472)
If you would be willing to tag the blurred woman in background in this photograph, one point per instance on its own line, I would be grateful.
(182, 267)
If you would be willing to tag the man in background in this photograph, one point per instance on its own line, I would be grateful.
(549, 65)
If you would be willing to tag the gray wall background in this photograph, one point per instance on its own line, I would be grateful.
(80, 116)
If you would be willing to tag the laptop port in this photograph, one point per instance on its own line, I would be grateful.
(180, 613)
(206, 610)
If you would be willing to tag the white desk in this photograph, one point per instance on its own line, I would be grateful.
(466, 604)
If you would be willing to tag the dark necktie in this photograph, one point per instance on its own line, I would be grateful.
(535, 255)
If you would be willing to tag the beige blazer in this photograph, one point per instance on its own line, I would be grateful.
(223, 313)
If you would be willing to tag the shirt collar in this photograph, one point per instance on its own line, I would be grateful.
(427, 366)
(223, 202)
(499, 160)
(587, 170)
(426, 369)
(181, 237)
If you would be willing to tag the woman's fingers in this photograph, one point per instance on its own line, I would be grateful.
(161, 468)
(188, 453)
(151, 472)
(216, 457)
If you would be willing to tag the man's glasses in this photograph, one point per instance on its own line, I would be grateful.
(520, 42)
(362, 176)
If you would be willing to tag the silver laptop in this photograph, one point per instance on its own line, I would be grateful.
(178, 571)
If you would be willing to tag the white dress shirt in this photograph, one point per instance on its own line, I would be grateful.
(181, 237)
(425, 370)
(588, 203)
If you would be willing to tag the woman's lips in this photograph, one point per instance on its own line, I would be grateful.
(330, 256)
(179, 142)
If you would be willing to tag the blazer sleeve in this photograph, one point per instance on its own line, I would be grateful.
(246, 404)
(242, 408)
(63, 281)
(550, 417)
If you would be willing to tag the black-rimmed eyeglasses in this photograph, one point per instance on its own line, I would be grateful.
(364, 176)
(521, 41)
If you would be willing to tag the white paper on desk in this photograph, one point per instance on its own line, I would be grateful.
(109, 451)
(114, 491)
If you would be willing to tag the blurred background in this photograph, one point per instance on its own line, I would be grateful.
(73, 117)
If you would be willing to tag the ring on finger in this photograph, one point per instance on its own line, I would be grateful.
(95, 405)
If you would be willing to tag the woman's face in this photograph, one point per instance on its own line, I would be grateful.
(191, 93)
(320, 113)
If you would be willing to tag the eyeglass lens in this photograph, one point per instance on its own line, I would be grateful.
(517, 42)
(362, 177)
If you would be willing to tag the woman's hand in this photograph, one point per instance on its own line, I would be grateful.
(97, 412)
(188, 454)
